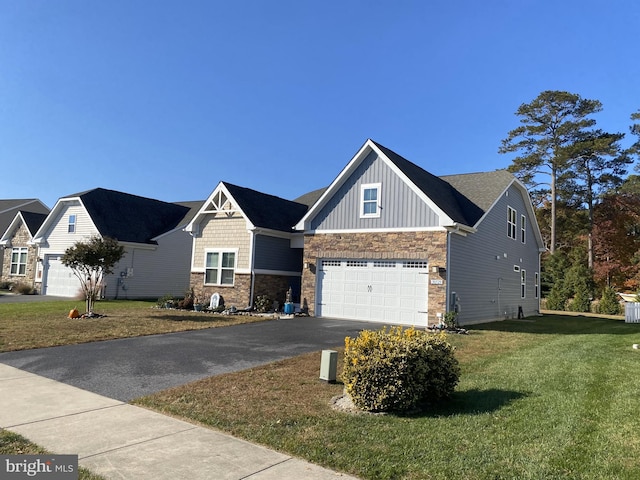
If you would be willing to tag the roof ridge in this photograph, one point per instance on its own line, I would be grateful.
(227, 184)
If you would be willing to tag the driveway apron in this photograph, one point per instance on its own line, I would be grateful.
(129, 368)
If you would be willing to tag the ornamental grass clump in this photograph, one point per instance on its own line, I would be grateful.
(398, 369)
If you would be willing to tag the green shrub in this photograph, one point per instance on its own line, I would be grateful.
(609, 304)
(398, 370)
(557, 298)
(582, 299)
(166, 301)
(451, 319)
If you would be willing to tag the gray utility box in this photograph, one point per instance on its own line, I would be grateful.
(329, 366)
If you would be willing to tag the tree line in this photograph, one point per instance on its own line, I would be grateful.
(587, 204)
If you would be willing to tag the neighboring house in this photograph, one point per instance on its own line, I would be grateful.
(8, 211)
(244, 246)
(20, 254)
(390, 242)
(157, 249)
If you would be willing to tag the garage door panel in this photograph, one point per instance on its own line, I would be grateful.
(60, 280)
(351, 287)
(390, 291)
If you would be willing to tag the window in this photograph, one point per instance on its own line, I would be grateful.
(356, 263)
(511, 223)
(331, 263)
(536, 283)
(416, 264)
(220, 268)
(523, 229)
(72, 224)
(19, 261)
(370, 200)
(384, 264)
(523, 283)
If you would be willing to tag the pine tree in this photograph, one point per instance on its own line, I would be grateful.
(551, 123)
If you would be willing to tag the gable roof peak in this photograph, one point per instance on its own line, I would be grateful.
(261, 210)
(127, 217)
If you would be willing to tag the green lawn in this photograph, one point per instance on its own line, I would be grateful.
(550, 397)
(556, 397)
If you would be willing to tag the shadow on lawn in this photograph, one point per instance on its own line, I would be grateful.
(472, 402)
(561, 325)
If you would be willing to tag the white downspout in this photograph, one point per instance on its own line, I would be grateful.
(252, 246)
(448, 287)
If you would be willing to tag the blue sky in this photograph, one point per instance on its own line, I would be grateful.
(166, 98)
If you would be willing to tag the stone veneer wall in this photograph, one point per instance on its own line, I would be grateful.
(430, 246)
(236, 295)
(20, 239)
(275, 286)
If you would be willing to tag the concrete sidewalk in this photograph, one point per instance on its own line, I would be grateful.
(121, 441)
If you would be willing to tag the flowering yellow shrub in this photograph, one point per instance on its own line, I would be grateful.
(398, 369)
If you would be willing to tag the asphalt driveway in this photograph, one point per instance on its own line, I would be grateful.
(129, 368)
(6, 297)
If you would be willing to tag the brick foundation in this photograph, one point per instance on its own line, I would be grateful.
(276, 286)
(239, 295)
(430, 246)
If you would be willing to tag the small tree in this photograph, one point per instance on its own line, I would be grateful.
(581, 299)
(90, 262)
(609, 304)
(558, 297)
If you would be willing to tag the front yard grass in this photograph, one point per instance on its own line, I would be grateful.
(552, 397)
(46, 324)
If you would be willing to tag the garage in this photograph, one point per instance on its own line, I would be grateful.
(58, 279)
(388, 291)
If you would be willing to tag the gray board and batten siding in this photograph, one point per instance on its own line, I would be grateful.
(485, 267)
(275, 253)
(400, 207)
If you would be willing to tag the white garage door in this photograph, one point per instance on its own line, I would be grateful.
(59, 280)
(389, 291)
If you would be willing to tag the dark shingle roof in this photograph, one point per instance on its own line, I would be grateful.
(310, 198)
(267, 211)
(483, 188)
(33, 220)
(10, 208)
(130, 218)
(451, 201)
(193, 206)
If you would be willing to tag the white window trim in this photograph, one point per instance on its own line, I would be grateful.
(523, 283)
(20, 251)
(369, 186)
(523, 229)
(71, 226)
(235, 266)
(512, 226)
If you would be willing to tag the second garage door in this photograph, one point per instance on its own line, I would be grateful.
(58, 279)
(389, 291)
